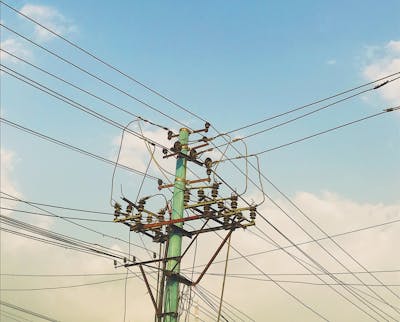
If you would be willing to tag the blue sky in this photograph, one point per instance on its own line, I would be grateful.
(232, 63)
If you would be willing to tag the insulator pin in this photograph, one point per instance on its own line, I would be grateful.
(200, 194)
(186, 196)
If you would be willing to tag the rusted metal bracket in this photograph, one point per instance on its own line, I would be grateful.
(149, 289)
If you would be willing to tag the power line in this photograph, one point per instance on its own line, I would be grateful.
(317, 102)
(92, 75)
(312, 241)
(60, 238)
(315, 134)
(58, 207)
(72, 147)
(102, 61)
(55, 216)
(208, 273)
(74, 223)
(74, 104)
(362, 300)
(63, 287)
(105, 63)
(21, 309)
(123, 109)
(316, 110)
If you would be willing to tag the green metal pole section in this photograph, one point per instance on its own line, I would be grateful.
(171, 302)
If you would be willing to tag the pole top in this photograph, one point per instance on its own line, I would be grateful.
(184, 129)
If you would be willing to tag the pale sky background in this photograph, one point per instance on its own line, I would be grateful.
(232, 63)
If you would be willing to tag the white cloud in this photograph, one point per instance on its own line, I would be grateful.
(49, 17)
(373, 248)
(15, 47)
(331, 62)
(382, 62)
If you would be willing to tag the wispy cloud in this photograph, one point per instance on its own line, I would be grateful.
(382, 61)
(49, 17)
(15, 47)
(331, 62)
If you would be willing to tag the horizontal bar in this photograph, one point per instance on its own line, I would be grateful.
(170, 222)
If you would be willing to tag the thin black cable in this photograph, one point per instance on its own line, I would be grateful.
(284, 274)
(103, 61)
(123, 109)
(62, 287)
(315, 134)
(316, 102)
(13, 316)
(173, 102)
(74, 223)
(310, 258)
(315, 111)
(93, 75)
(73, 103)
(71, 147)
(387, 110)
(117, 160)
(60, 237)
(24, 310)
(55, 216)
(61, 245)
(59, 207)
(320, 133)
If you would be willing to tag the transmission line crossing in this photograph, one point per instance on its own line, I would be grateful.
(72, 147)
(309, 113)
(123, 109)
(91, 74)
(67, 220)
(307, 256)
(118, 70)
(73, 103)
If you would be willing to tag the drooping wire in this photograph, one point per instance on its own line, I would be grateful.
(117, 161)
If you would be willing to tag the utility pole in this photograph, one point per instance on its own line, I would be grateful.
(166, 226)
(175, 237)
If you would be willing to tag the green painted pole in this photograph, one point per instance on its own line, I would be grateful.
(171, 300)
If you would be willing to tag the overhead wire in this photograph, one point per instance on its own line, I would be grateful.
(362, 300)
(72, 222)
(91, 74)
(24, 310)
(118, 70)
(61, 239)
(317, 102)
(312, 241)
(117, 160)
(123, 109)
(55, 216)
(71, 147)
(71, 102)
(321, 132)
(59, 207)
